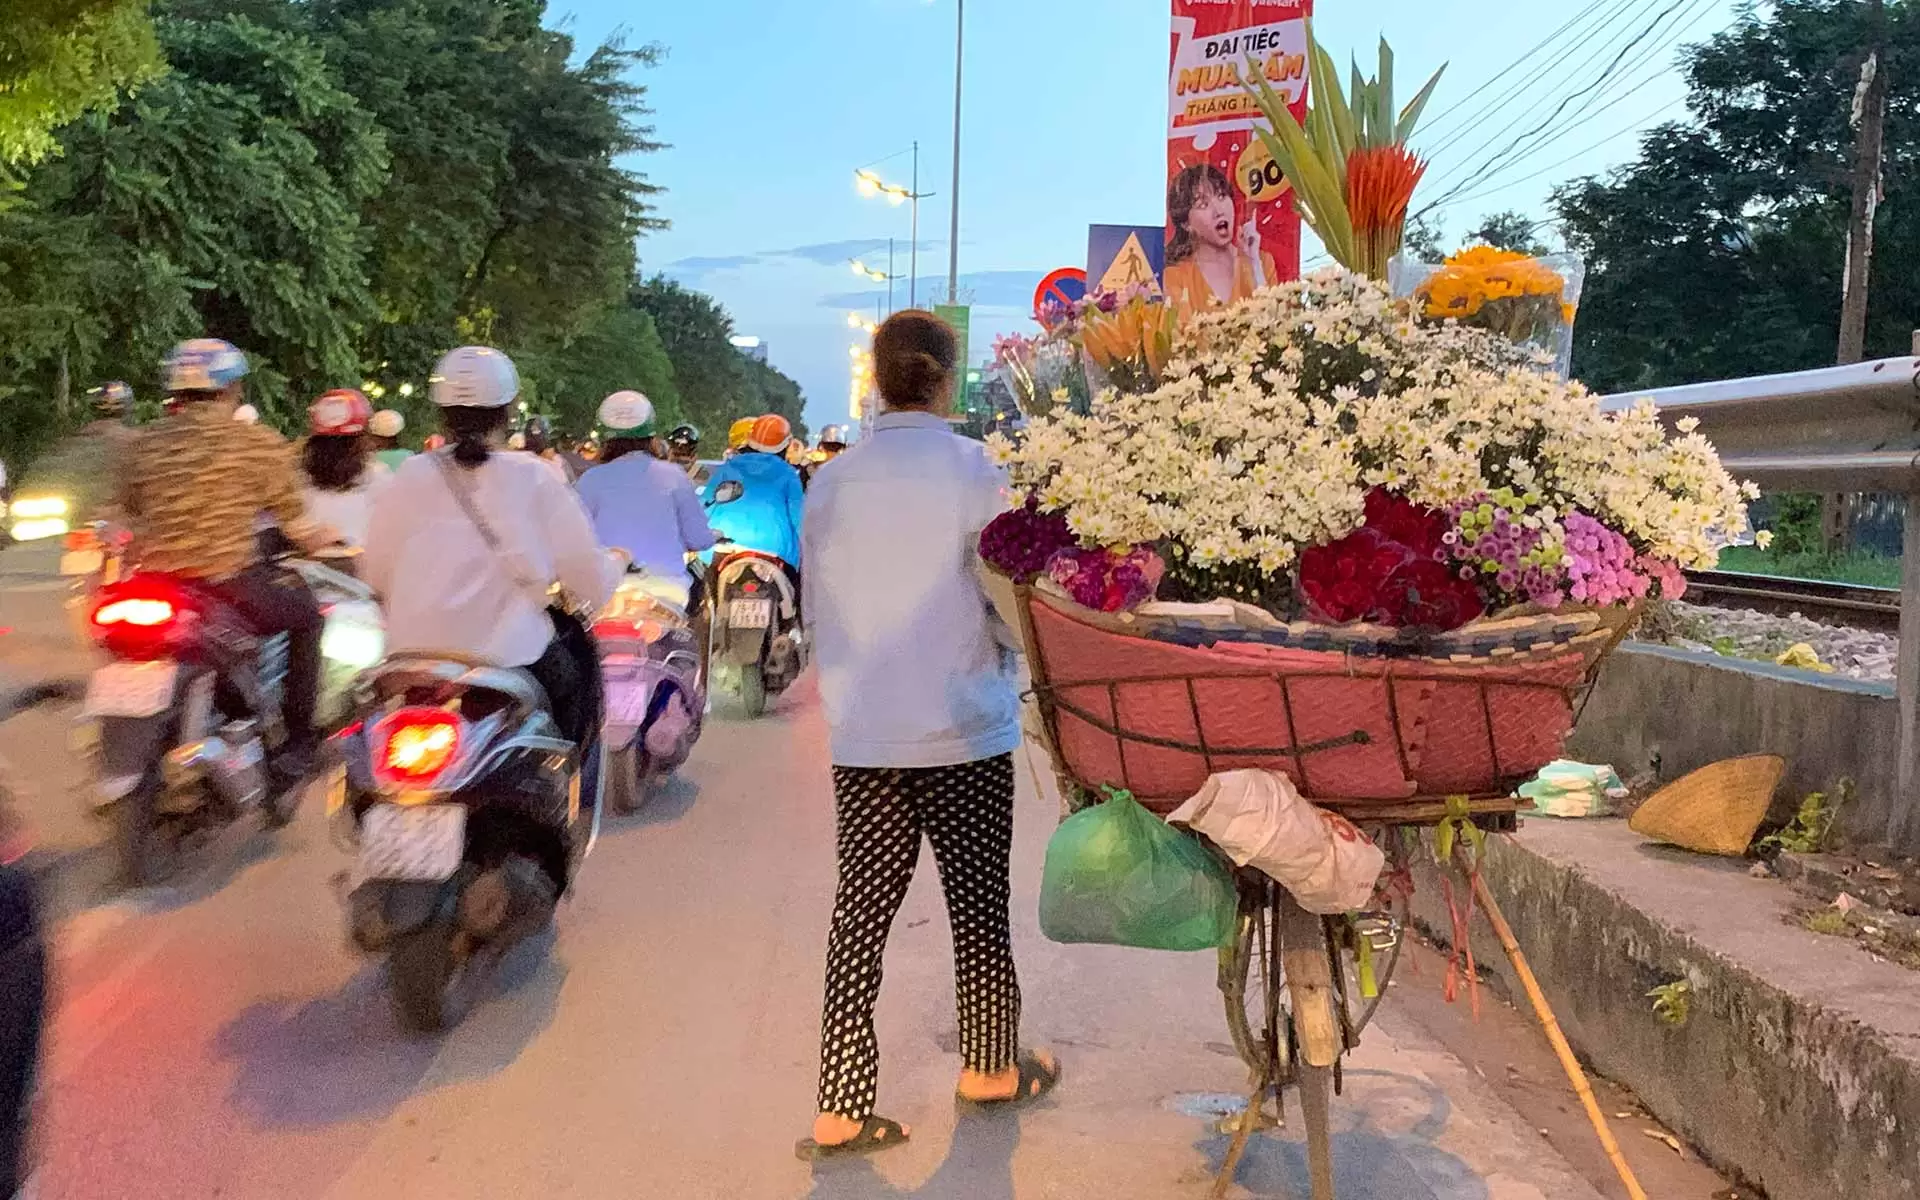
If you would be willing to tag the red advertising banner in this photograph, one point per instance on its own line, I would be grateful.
(1231, 223)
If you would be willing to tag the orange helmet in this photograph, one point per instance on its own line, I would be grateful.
(341, 412)
(770, 434)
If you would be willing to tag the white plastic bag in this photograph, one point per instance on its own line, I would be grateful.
(1261, 821)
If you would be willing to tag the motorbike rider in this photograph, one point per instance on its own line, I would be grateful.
(193, 488)
(766, 515)
(383, 435)
(466, 542)
(537, 440)
(342, 475)
(683, 451)
(83, 468)
(737, 434)
(833, 442)
(639, 503)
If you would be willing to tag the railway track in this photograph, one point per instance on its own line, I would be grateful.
(1836, 603)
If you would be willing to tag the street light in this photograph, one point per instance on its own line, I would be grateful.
(887, 276)
(870, 184)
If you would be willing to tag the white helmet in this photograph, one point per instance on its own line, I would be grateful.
(629, 413)
(386, 423)
(474, 377)
(246, 414)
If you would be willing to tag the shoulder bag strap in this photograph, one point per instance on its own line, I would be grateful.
(461, 486)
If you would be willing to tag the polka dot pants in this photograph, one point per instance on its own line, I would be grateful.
(966, 811)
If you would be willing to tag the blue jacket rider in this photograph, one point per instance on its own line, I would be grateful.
(766, 516)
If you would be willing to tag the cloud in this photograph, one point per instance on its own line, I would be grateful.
(988, 289)
(834, 254)
(706, 264)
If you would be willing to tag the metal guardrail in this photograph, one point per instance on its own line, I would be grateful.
(1840, 429)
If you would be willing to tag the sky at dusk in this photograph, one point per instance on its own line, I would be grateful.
(770, 105)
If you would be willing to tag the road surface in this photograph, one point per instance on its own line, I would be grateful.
(219, 1038)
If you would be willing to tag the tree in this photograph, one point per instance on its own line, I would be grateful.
(711, 374)
(62, 58)
(1422, 241)
(619, 350)
(1719, 251)
(1509, 231)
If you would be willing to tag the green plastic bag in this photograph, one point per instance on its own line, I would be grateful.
(1117, 875)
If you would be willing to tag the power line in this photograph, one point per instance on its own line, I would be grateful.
(1441, 118)
(1626, 85)
(1642, 123)
(1548, 70)
(1553, 123)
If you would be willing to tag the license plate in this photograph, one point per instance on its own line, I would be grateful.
(423, 842)
(627, 703)
(749, 614)
(131, 689)
(81, 562)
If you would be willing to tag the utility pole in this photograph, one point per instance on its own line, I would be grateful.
(1870, 127)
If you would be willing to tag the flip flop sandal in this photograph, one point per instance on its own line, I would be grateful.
(876, 1134)
(1036, 1080)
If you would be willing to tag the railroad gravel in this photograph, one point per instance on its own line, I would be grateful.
(1862, 654)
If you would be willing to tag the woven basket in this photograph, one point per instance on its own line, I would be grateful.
(1716, 809)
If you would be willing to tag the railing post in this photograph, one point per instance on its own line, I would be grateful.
(1905, 819)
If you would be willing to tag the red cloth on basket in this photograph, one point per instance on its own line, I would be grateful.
(1426, 724)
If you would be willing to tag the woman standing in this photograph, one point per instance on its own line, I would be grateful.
(921, 702)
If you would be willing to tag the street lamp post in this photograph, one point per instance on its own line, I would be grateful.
(953, 234)
(871, 184)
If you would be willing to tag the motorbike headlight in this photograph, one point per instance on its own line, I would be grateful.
(39, 507)
(36, 528)
(353, 643)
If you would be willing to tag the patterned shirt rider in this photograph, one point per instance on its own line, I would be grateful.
(194, 485)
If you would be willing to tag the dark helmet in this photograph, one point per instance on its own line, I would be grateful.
(111, 400)
(684, 437)
(538, 433)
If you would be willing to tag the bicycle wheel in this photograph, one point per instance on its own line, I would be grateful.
(1251, 983)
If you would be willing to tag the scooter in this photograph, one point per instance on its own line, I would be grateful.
(757, 647)
(463, 803)
(654, 685)
(183, 720)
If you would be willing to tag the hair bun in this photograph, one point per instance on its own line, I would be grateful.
(914, 354)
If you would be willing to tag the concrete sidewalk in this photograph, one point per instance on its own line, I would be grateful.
(1799, 1065)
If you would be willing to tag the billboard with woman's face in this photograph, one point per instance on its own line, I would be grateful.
(1231, 223)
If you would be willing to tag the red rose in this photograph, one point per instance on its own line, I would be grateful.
(1414, 526)
(1425, 594)
(1343, 581)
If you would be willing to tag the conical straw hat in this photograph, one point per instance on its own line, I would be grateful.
(1716, 809)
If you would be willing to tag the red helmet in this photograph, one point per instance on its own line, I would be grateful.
(770, 434)
(341, 412)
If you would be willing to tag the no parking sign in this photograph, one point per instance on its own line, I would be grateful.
(1067, 286)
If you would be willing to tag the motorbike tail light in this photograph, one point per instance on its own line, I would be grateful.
(615, 629)
(145, 612)
(411, 747)
(749, 586)
(81, 539)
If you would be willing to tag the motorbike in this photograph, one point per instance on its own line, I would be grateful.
(757, 647)
(183, 719)
(463, 801)
(650, 667)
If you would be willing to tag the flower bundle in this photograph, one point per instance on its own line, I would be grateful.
(1352, 174)
(1132, 342)
(1529, 301)
(1019, 544)
(1322, 450)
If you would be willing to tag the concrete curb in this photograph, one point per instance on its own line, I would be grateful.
(1798, 1068)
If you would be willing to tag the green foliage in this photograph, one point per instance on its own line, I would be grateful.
(1672, 1002)
(1795, 524)
(1719, 252)
(1811, 829)
(1868, 570)
(62, 58)
(344, 189)
(1830, 921)
(717, 383)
